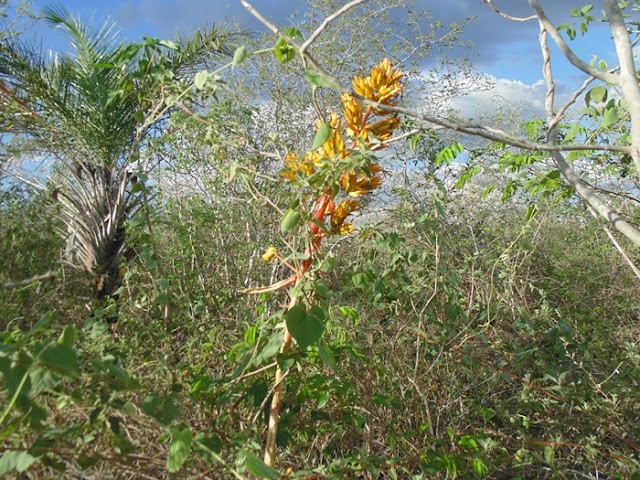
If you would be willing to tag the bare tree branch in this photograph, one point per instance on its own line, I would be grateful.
(490, 4)
(585, 192)
(588, 194)
(566, 50)
(627, 79)
(487, 132)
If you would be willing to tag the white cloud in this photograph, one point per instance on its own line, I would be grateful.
(504, 96)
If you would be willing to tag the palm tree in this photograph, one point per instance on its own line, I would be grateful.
(90, 114)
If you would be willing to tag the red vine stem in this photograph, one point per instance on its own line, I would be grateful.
(324, 203)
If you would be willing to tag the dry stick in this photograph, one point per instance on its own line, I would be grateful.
(28, 281)
(268, 397)
(274, 411)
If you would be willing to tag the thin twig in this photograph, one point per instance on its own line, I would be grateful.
(325, 23)
(490, 4)
(268, 397)
(616, 245)
(29, 281)
(254, 372)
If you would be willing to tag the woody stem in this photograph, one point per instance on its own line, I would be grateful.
(276, 400)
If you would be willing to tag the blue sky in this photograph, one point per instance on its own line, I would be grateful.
(505, 50)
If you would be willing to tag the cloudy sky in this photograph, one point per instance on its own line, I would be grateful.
(506, 51)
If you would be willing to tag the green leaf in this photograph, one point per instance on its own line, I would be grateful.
(259, 468)
(6, 350)
(160, 408)
(200, 79)
(240, 55)
(305, 329)
(69, 336)
(317, 313)
(120, 375)
(162, 299)
(207, 447)
(86, 462)
(586, 9)
(466, 176)
(510, 189)
(450, 464)
(13, 376)
(610, 117)
(326, 354)
(169, 44)
(479, 467)
(289, 220)
(179, 450)
(44, 321)
(8, 461)
(532, 211)
(597, 95)
(283, 51)
(573, 132)
(322, 135)
(285, 362)
(293, 33)
(549, 454)
(449, 154)
(414, 140)
(317, 79)
(272, 347)
(16, 460)
(24, 460)
(296, 314)
(42, 379)
(62, 359)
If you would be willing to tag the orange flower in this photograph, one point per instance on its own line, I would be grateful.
(354, 113)
(294, 166)
(383, 85)
(383, 129)
(340, 213)
(357, 184)
(374, 169)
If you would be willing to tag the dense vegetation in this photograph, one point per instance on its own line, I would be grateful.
(476, 321)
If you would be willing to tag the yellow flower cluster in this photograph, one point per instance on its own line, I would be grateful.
(340, 213)
(334, 147)
(383, 85)
(367, 128)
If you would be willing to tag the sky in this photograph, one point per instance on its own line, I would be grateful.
(506, 52)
